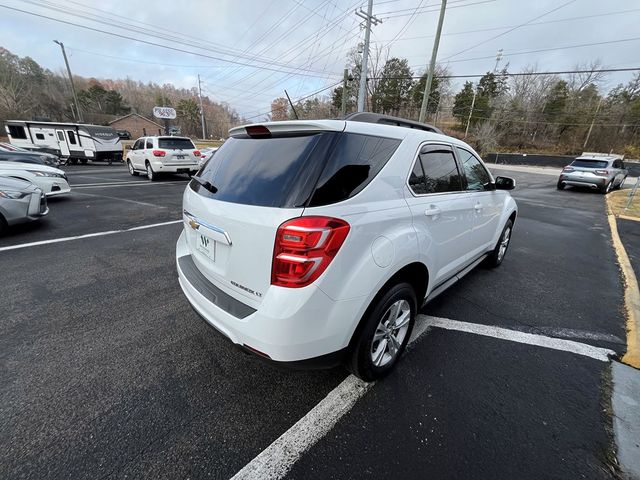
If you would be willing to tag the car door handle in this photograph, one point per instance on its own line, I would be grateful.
(432, 211)
(477, 207)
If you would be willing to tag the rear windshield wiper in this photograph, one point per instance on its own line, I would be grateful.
(206, 184)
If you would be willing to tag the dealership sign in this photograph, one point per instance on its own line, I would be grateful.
(164, 112)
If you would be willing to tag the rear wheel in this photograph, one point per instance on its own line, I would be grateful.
(130, 167)
(151, 175)
(607, 188)
(385, 334)
(496, 257)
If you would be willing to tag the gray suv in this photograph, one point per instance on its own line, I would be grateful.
(595, 171)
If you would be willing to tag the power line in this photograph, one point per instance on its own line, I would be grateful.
(511, 29)
(147, 42)
(437, 9)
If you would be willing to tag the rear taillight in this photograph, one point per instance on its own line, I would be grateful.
(304, 248)
(196, 153)
(159, 153)
(567, 169)
(603, 173)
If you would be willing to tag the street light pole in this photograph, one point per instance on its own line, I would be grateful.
(204, 130)
(73, 87)
(432, 64)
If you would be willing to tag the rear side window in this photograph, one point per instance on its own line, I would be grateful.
(72, 137)
(355, 161)
(150, 143)
(39, 136)
(435, 171)
(175, 143)
(589, 163)
(17, 131)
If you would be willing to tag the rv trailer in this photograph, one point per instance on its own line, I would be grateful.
(75, 142)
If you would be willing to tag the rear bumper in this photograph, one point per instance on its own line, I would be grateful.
(174, 168)
(587, 181)
(300, 327)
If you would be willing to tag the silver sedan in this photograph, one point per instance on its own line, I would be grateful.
(20, 202)
(598, 172)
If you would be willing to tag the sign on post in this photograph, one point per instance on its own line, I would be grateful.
(164, 112)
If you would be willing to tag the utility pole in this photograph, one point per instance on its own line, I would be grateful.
(432, 64)
(78, 115)
(473, 103)
(586, 140)
(369, 19)
(204, 130)
(345, 81)
(498, 58)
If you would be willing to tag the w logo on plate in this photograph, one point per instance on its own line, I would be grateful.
(204, 241)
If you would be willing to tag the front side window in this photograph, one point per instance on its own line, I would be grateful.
(60, 136)
(478, 179)
(138, 144)
(72, 137)
(435, 171)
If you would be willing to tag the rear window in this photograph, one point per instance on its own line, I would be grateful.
(176, 143)
(590, 163)
(309, 170)
(17, 131)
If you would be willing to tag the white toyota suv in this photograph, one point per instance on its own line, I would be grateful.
(316, 242)
(155, 155)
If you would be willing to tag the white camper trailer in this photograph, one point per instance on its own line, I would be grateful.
(75, 142)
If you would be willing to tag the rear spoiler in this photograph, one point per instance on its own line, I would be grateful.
(286, 128)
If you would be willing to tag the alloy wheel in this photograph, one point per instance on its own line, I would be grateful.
(504, 243)
(390, 333)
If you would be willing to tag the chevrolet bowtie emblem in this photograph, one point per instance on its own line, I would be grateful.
(193, 224)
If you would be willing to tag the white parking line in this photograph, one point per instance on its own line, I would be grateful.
(277, 459)
(125, 184)
(88, 235)
(119, 199)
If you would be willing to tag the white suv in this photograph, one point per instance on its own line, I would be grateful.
(156, 155)
(316, 242)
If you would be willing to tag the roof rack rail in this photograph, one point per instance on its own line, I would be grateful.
(389, 120)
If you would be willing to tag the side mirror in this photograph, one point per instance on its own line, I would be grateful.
(505, 183)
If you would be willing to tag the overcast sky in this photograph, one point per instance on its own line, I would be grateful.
(301, 45)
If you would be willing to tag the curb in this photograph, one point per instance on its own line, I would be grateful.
(631, 295)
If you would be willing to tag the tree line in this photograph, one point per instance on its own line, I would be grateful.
(28, 92)
(512, 111)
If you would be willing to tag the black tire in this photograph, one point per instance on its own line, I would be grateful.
(619, 186)
(132, 172)
(3, 226)
(83, 161)
(360, 362)
(606, 188)
(560, 186)
(496, 257)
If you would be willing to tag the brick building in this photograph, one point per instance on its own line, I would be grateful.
(137, 125)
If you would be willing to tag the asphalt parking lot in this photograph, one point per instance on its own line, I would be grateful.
(106, 372)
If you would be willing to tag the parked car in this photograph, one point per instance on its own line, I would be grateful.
(27, 157)
(596, 171)
(206, 154)
(20, 202)
(156, 155)
(44, 157)
(317, 242)
(124, 134)
(51, 181)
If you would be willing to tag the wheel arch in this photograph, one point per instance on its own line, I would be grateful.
(415, 273)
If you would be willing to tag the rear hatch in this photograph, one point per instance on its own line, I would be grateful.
(587, 168)
(178, 151)
(238, 202)
(263, 176)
